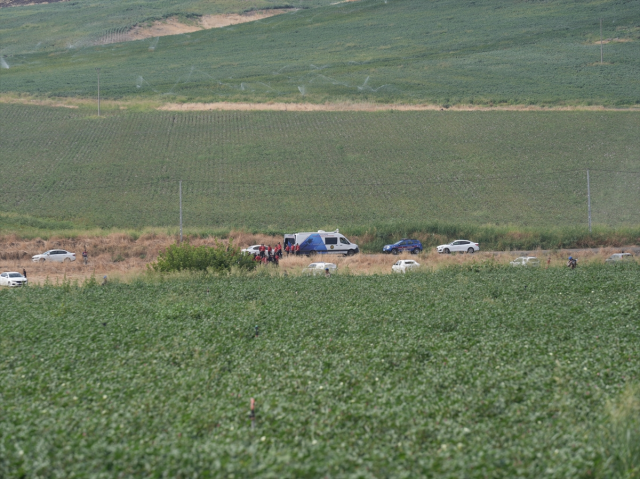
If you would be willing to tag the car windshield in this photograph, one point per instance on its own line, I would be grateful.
(15, 275)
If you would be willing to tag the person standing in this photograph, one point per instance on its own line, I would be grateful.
(298, 249)
(85, 256)
(286, 249)
(261, 249)
(24, 272)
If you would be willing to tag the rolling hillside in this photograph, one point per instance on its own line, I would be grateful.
(410, 51)
(283, 170)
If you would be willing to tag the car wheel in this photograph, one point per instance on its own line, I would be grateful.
(67, 260)
(42, 260)
(447, 251)
(350, 252)
(471, 250)
(395, 251)
(415, 251)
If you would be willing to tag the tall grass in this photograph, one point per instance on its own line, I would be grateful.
(620, 437)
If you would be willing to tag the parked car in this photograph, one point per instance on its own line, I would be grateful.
(403, 246)
(463, 246)
(12, 279)
(525, 261)
(322, 242)
(619, 258)
(318, 268)
(404, 265)
(254, 250)
(58, 255)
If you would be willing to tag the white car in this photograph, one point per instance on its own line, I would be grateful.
(525, 261)
(404, 265)
(619, 258)
(12, 279)
(462, 246)
(254, 250)
(58, 255)
(318, 268)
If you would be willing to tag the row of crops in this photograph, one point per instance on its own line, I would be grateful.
(282, 170)
(475, 372)
(406, 51)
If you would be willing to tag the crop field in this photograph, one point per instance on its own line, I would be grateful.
(282, 171)
(473, 371)
(397, 51)
(60, 25)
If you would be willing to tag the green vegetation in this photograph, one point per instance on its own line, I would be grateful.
(476, 372)
(59, 26)
(409, 51)
(377, 174)
(222, 258)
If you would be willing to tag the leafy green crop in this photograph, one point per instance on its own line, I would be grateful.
(284, 171)
(407, 51)
(477, 372)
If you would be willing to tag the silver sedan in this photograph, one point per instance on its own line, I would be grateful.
(56, 255)
(12, 279)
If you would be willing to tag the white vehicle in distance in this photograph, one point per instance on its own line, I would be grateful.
(619, 258)
(322, 242)
(12, 279)
(254, 250)
(404, 265)
(57, 255)
(319, 268)
(459, 246)
(525, 261)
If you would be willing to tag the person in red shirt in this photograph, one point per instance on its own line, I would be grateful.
(297, 250)
(269, 251)
(286, 249)
(261, 250)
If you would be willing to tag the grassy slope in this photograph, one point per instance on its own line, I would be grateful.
(58, 26)
(278, 171)
(488, 373)
(398, 51)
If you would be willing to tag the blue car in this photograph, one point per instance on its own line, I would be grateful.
(403, 246)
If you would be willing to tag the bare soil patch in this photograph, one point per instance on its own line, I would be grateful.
(125, 257)
(173, 26)
(24, 3)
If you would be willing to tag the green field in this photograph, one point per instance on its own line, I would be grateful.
(407, 51)
(284, 171)
(475, 372)
(58, 26)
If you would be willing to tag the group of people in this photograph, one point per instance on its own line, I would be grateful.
(267, 254)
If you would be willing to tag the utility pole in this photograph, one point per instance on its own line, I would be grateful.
(589, 200)
(98, 71)
(180, 187)
(601, 41)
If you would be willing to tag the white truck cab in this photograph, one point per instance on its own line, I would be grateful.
(322, 242)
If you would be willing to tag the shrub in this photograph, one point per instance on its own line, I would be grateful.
(202, 258)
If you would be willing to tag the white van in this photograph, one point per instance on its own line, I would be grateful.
(322, 242)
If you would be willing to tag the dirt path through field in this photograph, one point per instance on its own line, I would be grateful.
(370, 107)
(148, 105)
